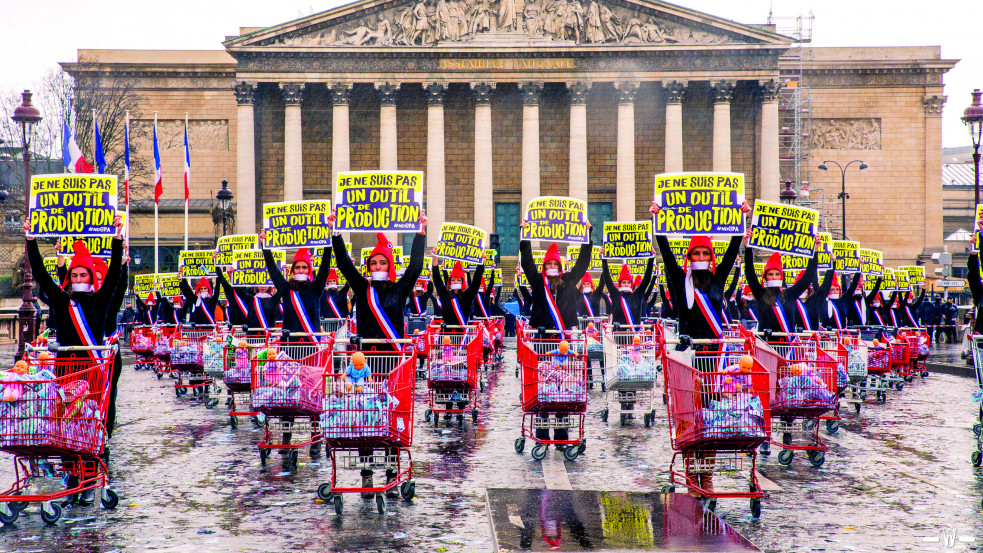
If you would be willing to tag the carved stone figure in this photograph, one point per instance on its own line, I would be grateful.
(506, 15)
(480, 17)
(846, 134)
(534, 19)
(594, 31)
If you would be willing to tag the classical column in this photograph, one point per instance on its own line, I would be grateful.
(933, 104)
(387, 126)
(484, 207)
(722, 93)
(769, 184)
(530, 141)
(578, 139)
(293, 146)
(674, 125)
(625, 178)
(245, 159)
(340, 132)
(436, 205)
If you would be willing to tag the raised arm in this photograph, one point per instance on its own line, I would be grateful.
(116, 301)
(606, 278)
(733, 285)
(921, 297)
(347, 268)
(528, 265)
(727, 261)
(273, 268)
(752, 277)
(45, 282)
(113, 273)
(322, 272)
(438, 282)
(973, 271)
(877, 288)
(852, 287)
(823, 289)
(408, 280)
(582, 264)
(472, 289)
(189, 295)
(796, 289)
(490, 286)
(643, 286)
(669, 260)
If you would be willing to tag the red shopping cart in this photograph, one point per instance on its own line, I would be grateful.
(162, 350)
(453, 372)
(718, 416)
(633, 357)
(554, 391)
(53, 420)
(287, 389)
(142, 341)
(368, 426)
(188, 361)
(237, 361)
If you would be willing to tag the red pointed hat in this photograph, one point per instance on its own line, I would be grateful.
(587, 280)
(100, 266)
(774, 262)
(700, 242)
(458, 271)
(746, 291)
(638, 280)
(150, 299)
(799, 277)
(385, 248)
(304, 255)
(552, 254)
(204, 283)
(333, 275)
(421, 282)
(836, 283)
(625, 274)
(82, 258)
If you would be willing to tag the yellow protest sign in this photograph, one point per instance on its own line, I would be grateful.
(888, 283)
(297, 224)
(824, 253)
(595, 258)
(871, 262)
(144, 283)
(379, 201)
(232, 242)
(51, 265)
(847, 256)
(250, 267)
(783, 228)
(792, 266)
(72, 205)
(460, 242)
(169, 284)
(916, 274)
(196, 263)
(699, 204)
(556, 219)
(627, 240)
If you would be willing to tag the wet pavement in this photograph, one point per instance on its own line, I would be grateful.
(897, 477)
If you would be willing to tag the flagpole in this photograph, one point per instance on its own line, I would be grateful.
(126, 183)
(156, 224)
(187, 184)
(94, 160)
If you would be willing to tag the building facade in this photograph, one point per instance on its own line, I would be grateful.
(499, 102)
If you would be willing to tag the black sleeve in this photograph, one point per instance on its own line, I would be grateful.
(727, 261)
(528, 266)
(583, 263)
(673, 269)
(116, 302)
(606, 279)
(526, 295)
(62, 271)
(921, 297)
(230, 292)
(45, 282)
(752, 277)
(112, 273)
(438, 283)
(490, 286)
(823, 289)
(796, 289)
(643, 286)
(599, 291)
(189, 295)
(877, 288)
(733, 285)
(273, 268)
(140, 305)
(975, 286)
(472, 289)
(322, 272)
(347, 268)
(848, 293)
(406, 282)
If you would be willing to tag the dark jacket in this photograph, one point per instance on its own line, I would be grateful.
(392, 295)
(594, 299)
(94, 305)
(308, 292)
(238, 311)
(844, 305)
(465, 297)
(340, 298)
(484, 298)
(815, 306)
(902, 314)
(926, 313)
(416, 306)
(269, 306)
(196, 306)
(524, 298)
(691, 320)
(767, 318)
(634, 299)
(668, 308)
(116, 302)
(566, 294)
(730, 306)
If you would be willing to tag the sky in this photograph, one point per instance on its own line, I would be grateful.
(28, 51)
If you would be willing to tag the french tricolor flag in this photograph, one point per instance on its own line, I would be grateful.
(100, 153)
(187, 163)
(71, 153)
(126, 159)
(158, 181)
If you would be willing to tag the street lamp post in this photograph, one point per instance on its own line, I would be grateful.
(26, 115)
(973, 118)
(224, 197)
(843, 196)
(788, 196)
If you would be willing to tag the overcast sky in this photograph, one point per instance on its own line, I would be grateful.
(61, 27)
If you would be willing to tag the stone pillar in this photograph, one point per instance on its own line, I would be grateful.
(625, 179)
(578, 139)
(340, 133)
(933, 104)
(293, 145)
(245, 159)
(484, 206)
(722, 93)
(387, 92)
(530, 141)
(674, 91)
(434, 179)
(769, 185)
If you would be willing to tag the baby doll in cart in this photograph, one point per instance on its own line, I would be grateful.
(358, 373)
(738, 411)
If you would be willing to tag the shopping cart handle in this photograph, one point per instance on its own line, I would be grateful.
(245, 328)
(685, 340)
(767, 334)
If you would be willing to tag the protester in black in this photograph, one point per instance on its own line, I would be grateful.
(456, 299)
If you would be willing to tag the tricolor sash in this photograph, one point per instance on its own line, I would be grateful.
(627, 310)
(861, 310)
(880, 319)
(724, 318)
(835, 314)
(375, 306)
(258, 306)
(782, 319)
(334, 306)
(709, 313)
(590, 309)
(82, 329)
(911, 317)
(301, 311)
(750, 311)
(804, 313)
(458, 312)
(416, 303)
(241, 304)
(894, 318)
(552, 307)
(201, 305)
(481, 305)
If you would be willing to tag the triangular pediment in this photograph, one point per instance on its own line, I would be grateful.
(507, 23)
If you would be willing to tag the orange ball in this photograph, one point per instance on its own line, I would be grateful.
(746, 363)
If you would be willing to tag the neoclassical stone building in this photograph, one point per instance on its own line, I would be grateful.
(501, 101)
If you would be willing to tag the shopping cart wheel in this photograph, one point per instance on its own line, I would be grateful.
(604, 414)
(380, 502)
(924, 374)
(19, 505)
(233, 421)
(474, 416)
(427, 414)
(900, 386)
(977, 458)
(8, 514)
(211, 402)
(583, 446)
(909, 378)
(407, 490)
(520, 445)
(110, 499)
(625, 417)
(755, 507)
(832, 427)
(324, 492)
(264, 454)
(539, 452)
(808, 424)
(216, 389)
(668, 488)
(785, 457)
(338, 504)
(50, 512)
(291, 460)
(159, 375)
(817, 458)
(977, 428)
(571, 453)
